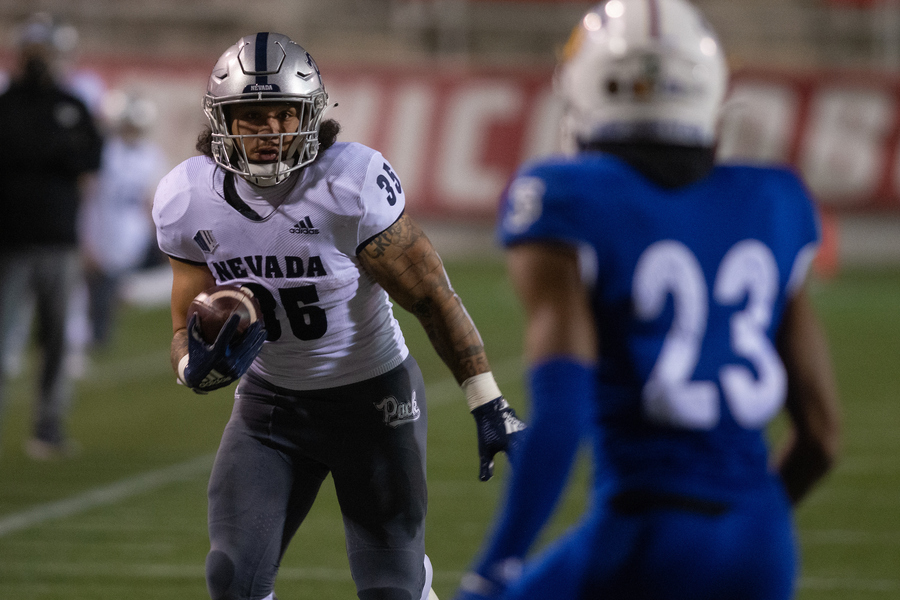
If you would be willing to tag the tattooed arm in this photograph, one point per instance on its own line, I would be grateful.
(403, 261)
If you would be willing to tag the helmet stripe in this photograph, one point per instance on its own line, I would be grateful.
(261, 54)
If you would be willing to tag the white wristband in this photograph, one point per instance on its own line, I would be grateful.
(480, 389)
(182, 365)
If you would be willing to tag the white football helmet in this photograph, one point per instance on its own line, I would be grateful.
(642, 70)
(265, 67)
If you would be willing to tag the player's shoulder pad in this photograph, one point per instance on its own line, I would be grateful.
(346, 160)
(353, 171)
(187, 180)
(564, 177)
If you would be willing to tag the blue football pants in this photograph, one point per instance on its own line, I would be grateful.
(666, 553)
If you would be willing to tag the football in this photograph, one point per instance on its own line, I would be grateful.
(215, 306)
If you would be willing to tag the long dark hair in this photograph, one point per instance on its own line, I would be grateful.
(328, 132)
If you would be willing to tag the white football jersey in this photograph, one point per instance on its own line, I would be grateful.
(328, 322)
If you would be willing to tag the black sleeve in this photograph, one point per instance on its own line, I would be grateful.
(84, 144)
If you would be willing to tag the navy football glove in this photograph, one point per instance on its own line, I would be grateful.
(212, 366)
(499, 430)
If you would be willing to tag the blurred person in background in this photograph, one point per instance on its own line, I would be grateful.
(317, 230)
(667, 323)
(115, 226)
(87, 85)
(49, 145)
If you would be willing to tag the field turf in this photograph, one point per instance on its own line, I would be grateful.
(125, 520)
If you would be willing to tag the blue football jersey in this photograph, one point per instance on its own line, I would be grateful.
(688, 289)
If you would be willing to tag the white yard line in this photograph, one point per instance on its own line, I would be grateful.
(104, 496)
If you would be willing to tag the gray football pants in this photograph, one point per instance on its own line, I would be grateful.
(49, 277)
(276, 450)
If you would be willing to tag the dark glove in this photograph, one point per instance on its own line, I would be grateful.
(499, 430)
(212, 366)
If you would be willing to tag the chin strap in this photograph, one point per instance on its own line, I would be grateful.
(269, 174)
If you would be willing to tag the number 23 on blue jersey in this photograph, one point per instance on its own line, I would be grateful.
(748, 272)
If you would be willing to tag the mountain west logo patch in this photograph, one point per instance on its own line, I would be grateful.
(304, 226)
(397, 413)
(206, 240)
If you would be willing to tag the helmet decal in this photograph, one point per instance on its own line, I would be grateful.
(261, 55)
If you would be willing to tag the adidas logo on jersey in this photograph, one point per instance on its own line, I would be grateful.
(304, 226)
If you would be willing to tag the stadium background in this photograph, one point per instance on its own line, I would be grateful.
(456, 93)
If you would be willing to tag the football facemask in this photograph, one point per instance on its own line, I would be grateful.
(265, 68)
(642, 70)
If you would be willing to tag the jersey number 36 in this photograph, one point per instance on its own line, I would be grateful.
(747, 272)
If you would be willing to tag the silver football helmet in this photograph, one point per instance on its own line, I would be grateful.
(648, 70)
(265, 67)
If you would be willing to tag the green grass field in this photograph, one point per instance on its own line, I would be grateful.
(126, 519)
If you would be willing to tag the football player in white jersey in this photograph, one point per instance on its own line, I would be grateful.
(317, 231)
